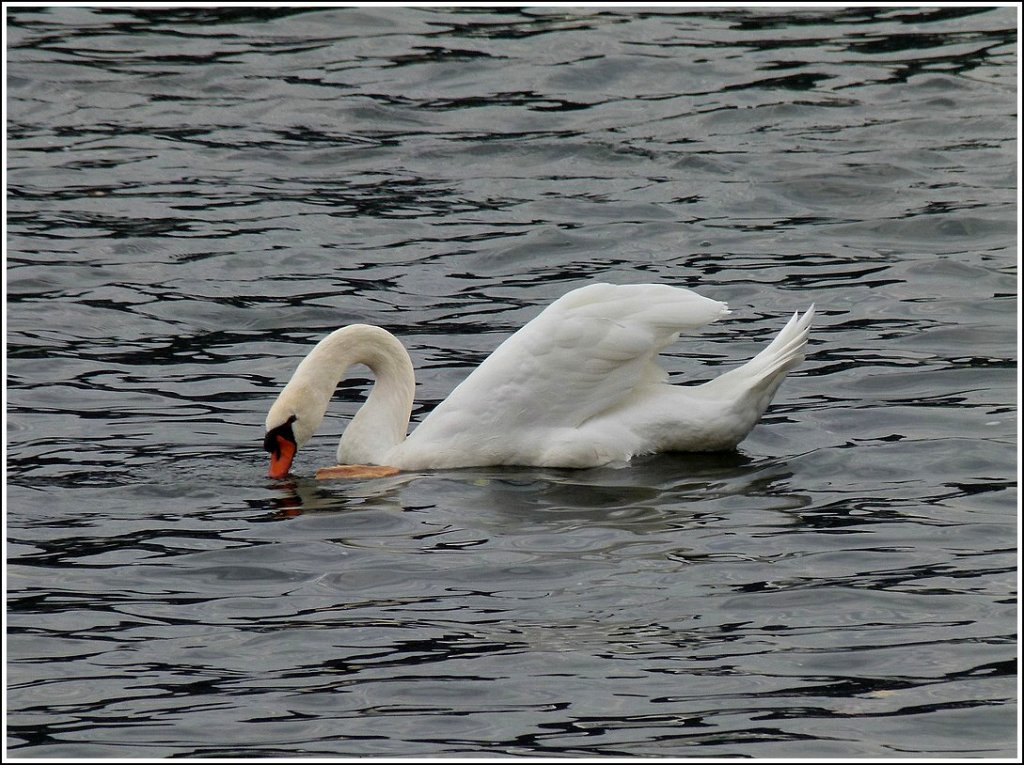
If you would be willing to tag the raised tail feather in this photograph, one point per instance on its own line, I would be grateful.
(756, 381)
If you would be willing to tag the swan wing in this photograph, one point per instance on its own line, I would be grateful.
(584, 354)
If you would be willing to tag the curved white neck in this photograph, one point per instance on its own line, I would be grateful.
(381, 423)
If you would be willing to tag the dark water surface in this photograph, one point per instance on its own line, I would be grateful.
(197, 195)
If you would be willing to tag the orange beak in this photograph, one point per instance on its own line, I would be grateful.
(281, 457)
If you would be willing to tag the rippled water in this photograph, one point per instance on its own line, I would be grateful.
(197, 195)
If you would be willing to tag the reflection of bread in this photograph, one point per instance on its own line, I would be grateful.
(356, 471)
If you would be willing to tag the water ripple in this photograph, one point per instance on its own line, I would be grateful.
(196, 195)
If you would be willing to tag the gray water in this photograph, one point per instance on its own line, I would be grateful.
(195, 196)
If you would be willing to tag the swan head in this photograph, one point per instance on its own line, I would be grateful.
(280, 442)
(288, 429)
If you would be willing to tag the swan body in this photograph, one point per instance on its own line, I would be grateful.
(578, 386)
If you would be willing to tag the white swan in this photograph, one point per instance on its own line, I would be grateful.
(578, 386)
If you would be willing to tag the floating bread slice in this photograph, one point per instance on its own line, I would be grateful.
(356, 471)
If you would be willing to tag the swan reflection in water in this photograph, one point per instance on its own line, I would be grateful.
(658, 492)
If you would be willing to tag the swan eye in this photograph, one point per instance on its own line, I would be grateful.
(270, 441)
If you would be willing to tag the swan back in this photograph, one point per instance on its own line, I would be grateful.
(583, 355)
